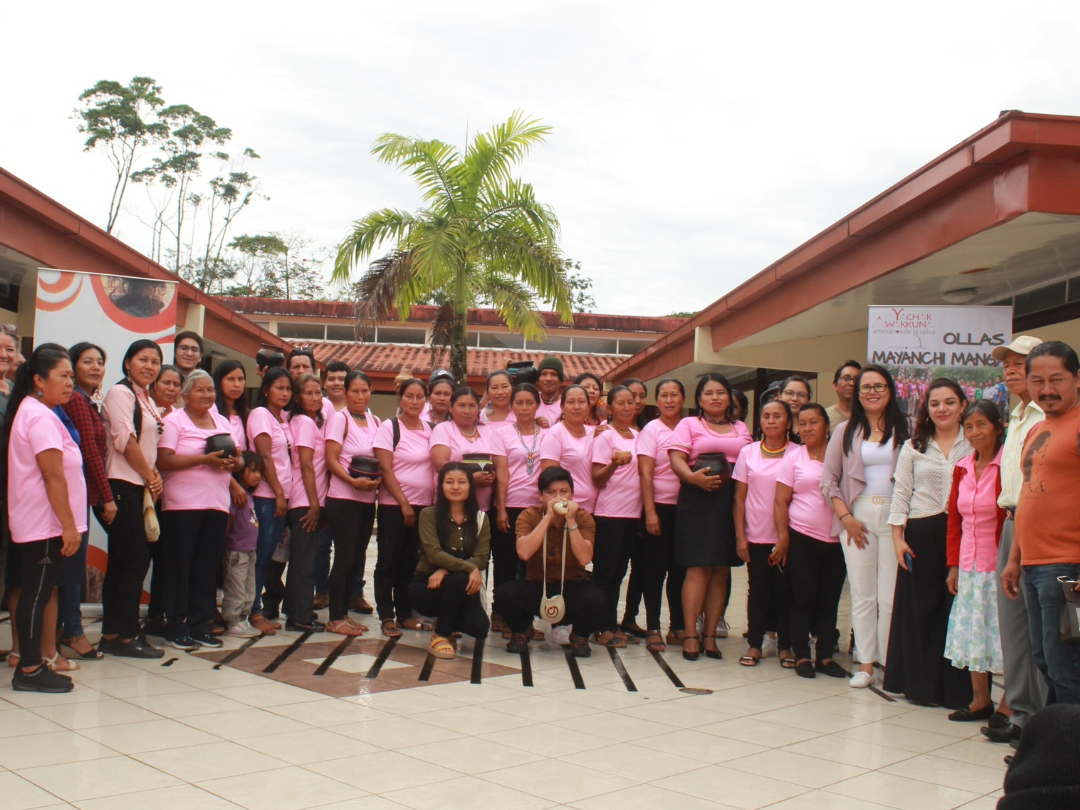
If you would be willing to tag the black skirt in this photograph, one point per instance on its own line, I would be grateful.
(705, 527)
(917, 666)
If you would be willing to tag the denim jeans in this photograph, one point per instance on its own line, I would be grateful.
(270, 531)
(1059, 661)
(69, 591)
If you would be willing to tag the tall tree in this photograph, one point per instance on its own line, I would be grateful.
(119, 119)
(482, 233)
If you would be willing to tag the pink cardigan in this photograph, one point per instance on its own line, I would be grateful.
(842, 475)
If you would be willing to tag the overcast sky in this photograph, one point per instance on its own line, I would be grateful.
(693, 143)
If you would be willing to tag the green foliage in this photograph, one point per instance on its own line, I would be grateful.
(480, 235)
(682, 314)
(277, 266)
(581, 298)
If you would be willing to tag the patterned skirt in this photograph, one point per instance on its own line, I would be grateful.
(973, 640)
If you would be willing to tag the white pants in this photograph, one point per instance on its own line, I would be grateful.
(872, 577)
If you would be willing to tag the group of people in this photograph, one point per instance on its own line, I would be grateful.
(562, 491)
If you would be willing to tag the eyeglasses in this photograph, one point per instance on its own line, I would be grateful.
(877, 388)
(847, 379)
(188, 349)
(799, 395)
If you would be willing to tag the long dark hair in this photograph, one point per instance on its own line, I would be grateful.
(136, 347)
(895, 422)
(714, 376)
(442, 508)
(81, 348)
(40, 363)
(223, 370)
(924, 425)
(271, 376)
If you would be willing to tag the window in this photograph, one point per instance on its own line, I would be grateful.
(1052, 295)
(551, 343)
(501, 340)
(595, 345)
(339, 332)
(302, 331)
(397, 334)
(629, 346)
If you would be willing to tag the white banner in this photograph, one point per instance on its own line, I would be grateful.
(918, 344)
(111, 312)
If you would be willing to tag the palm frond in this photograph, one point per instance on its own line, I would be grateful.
(431, 163)
(538, 266)
(442, 330)
(516, 304)
(367, 234)
(378, 290)
(491, 155)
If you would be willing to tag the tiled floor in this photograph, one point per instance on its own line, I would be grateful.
(180, 733)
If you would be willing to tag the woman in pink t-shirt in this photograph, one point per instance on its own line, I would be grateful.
(268, 433)
(568, 444)
(769, 598)
(704, 520)
(46, 495)
(659, 494)
(437, 409)
(402, 446)
(463, 435)
(815, 561)
(195, 513)
(230, 387)
(618, 506)
(515, 449)
(500, 387)
(350, 499)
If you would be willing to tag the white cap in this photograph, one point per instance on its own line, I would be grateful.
(1021, 345)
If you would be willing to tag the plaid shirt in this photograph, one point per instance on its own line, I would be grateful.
(84, 415)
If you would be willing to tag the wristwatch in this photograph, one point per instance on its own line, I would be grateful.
(571, 527)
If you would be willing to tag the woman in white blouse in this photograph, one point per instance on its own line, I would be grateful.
(919, 519)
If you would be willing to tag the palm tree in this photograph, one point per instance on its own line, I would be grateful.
(481, 237)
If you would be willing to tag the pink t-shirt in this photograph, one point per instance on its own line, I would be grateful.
(808, 513)
(521, 491)
(305, 433)
(653, 442)
(574, 456)
(621, 496)
(358, 442)
(486, 420)
(693, 436)
(261, 422)
(198, 487)
(449, 435)
(977, 503)
(30, 515)
(759, 474)
(239, 432)
(412, 463)
(552, 412)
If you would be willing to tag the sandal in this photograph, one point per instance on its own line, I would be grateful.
(654, 641)
(390, 628)
(537, 635)
(440, 647)
(51, 663)
(497, 623)
(608, 639)
(691, 655)
(674, 637)
(750, 660)
(787, 662)
(92, 655)
(343, 627)
(415, 624)
(716, 655)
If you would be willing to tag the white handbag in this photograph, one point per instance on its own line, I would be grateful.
(553, 608)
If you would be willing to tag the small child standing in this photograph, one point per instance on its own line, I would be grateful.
(240, 544)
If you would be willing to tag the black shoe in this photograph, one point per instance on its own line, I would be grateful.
(998, 720)
(1009, 759)
(1001, 735)
(136, 648)
(207, 640)
(632, 628)
(832, 669)
(966, 715)
(579, 646)
(41, 679)
(1014, 744)
(156, 627)
(518, 643)
(182, 643)
(108, 645)
(296, 627)
(714, 654)
(805, 670)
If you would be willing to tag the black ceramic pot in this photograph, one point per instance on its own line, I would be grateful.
(221, 441)
(364, 467)
(482, 461)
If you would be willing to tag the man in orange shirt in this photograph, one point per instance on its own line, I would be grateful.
(1047, 529)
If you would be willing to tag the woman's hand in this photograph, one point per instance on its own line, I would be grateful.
(281, 505)
(902, 548)
(502, 520)
(310, 521)
(217, 461)
(476, 582)
(702, 479)
(779, 553)
(856, 532)
(239, 494)
(155, 484)
(542, 421)
(366, 484)
(483, 479)
(652, 523)
(434, 582)
(71, 540)
(408, 515)
(108, 511)
(952, 579)
(742, 548)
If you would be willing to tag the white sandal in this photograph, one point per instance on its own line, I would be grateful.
(73, 666)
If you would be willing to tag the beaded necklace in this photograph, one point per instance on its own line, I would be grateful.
(530, 452)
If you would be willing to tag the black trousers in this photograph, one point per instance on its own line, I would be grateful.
(300, 575)
(192, 542)
(518, 602)
(653, 561)
(504, 558)
(455, 611)
(129, 559)
(769, 601)
(399, 552)
(611, 556)
(816, 571)
(351, 523)
(39, 564)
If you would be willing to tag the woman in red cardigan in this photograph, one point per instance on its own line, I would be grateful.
(975, 520)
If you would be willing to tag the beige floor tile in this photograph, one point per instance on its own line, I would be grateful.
(97, 778)
(466, 792)
(936, 721)
(187, 704)
(181, 662)
(646, 797)
(21, 722)
(305, 747)
(383, 771)
(902, 793)
(616, 727)
(238, 725)
(635, 762)
(142, 685)
(982, 803)
(397, 732)
(407, 701)
(364, 803)
(32, 700)
(809, 720)
(685, 712)
(897, 737)
(100, 713)
(93, 671)
(547, 740)
(735, 788)
(49, 749)
(860, 709)
(155, 735)
(697, 745)
(486, 693)
(265, 694)
(558, 781)
(470, 755)
(181, 797)
(795, 768)
(199, 763)
(20, 794)
(290, 788)
(213, 679)
(850, 752)
(950, 773)
(820, 800)
(543, 708)
(603, 700)
(977, 752)
(758, 732)
(330, 712)
(475, 719)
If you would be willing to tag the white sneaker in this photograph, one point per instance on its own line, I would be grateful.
(768, 647)
(243, 630)
(861, 680)
(722, 628)
(560, 634)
